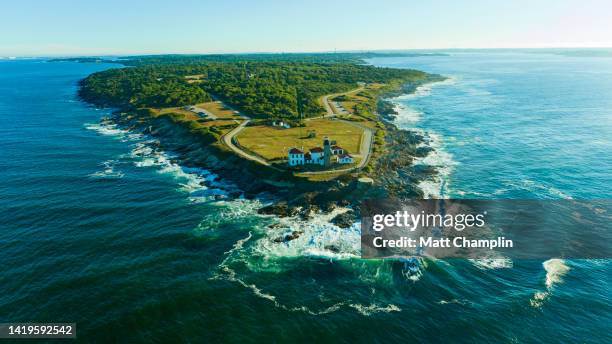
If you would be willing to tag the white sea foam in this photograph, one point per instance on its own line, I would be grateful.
(108, 171)
(426, 89)
(555, 270)
(413, 268)
(540, 189)
(407, 116)
(319, 238)
(473, 193)
(106, 128)
(229, 274)
(493, 263)
(201, 184)
(373, 308)
(365, 310)
(229, 211)
(435, 186)
(453, 301)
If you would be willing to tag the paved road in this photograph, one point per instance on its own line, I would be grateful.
(228, 139)
(328, 109)
(365, 148)
(327, 103)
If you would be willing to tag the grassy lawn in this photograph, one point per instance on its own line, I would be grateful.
(272, 143)
(179, 110)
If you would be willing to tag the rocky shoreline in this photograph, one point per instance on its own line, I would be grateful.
(395, 174)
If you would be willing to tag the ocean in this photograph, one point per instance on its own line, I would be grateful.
(99, 227)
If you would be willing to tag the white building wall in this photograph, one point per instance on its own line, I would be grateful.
(296, 159)
(345, 160)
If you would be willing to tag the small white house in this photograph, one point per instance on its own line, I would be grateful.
(296, 157)
(337, 150)
(345, 159)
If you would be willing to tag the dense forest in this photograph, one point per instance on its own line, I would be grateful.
(287, 86)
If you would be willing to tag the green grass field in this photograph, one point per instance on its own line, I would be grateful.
(272, 143)
(178, 110)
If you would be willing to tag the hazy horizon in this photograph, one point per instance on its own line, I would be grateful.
(112, 28)
(424, 51)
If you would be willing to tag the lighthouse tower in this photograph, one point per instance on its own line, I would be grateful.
(326, 152)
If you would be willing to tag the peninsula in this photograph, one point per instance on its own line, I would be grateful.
(313, 130)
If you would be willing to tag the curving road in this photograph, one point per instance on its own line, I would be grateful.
(228, 139)
(326, 102)
(365, 148)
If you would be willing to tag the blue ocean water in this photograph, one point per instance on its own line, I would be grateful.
(515, 125)
(101, 228)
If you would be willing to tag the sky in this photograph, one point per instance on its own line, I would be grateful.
(111, 27)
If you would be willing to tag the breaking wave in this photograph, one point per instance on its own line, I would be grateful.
(318, 237)
(407, 116)
(108, 128)
(201, 184)
(555, 270)
(108, 171)
(437, 185)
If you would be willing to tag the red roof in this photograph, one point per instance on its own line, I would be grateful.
(316, 150)
(295, 151)
(345, 156)
(336, 147)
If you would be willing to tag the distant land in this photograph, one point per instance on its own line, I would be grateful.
(304, 57)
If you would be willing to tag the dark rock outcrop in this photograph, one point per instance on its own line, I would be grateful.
(344, 220)
(288, 237)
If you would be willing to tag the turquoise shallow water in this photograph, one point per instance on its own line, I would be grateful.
(99, 228)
